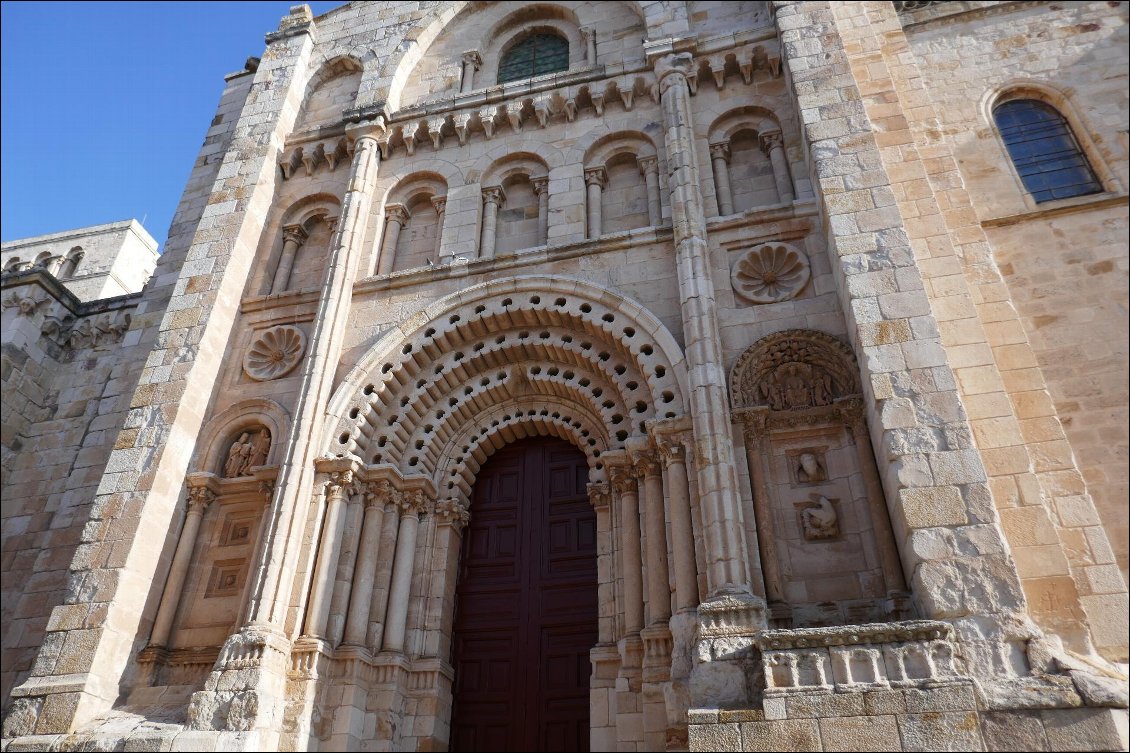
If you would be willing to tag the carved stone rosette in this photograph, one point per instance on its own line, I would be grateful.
(274, 352)
(770, 273)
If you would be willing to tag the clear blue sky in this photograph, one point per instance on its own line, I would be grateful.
(105, 104)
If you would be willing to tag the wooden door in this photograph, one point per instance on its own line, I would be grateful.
(526, 604)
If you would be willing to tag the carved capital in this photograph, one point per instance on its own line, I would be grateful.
(646, 464)
(379, 493)
(675, 69)
(397, 213)
(672, 449)
(339, 484)
(600, 496)
(648, 165)
(199, 497)
(720, 150)
(541, 185)
(267, 488)
(623, 479)
(494, 195)
(440, 204)
(770, 140)
(366, 135)
(586, 32)
(451, 513)
(596, 176)
(412, 502)
(295, 234)
(472, 57)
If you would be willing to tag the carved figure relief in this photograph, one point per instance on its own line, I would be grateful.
(792, 370)
(770, 273)
(275, 352)
(797, 385)
(808, 467)
(248, 451)
(818, 518)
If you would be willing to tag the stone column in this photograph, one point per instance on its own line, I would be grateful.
(541, 188)
(720, 159)
(674, 452)
(624, 483)
(293, 238)
(753, 429)
(378, 609)
(451, 518)
(658, 573)
(329, 549)
(472, 61)
(588, 38)
(649, 168)
(411, 505)
(728, 569)
(493, 198)
(357, 619)
(773, 145)
(396, 217)
(199, 497)
(600, 498)
(596, 178)
(440, 205)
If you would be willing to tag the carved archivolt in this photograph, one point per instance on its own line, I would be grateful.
(794, 369)
(275, 352)
(770, 273)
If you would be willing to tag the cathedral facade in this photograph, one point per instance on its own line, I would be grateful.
(653, 375)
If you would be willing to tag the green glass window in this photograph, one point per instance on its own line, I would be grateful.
(1044, 150)
(535, 55)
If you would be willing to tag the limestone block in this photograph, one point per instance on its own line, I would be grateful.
(851, 733)
(1085, 729)
(1013, 731)
(781, 735)
(940, 731)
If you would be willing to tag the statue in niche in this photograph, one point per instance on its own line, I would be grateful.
(248, 451)
(809, 469)
(819, 519)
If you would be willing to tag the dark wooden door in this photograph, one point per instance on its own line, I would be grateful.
(526, 604)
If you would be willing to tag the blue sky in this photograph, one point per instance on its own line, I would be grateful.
(104, 105)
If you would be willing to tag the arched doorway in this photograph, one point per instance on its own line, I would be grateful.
(526, 603)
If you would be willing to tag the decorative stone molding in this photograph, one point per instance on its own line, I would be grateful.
(91, 332)
(600, 496)
(770, 273)
(275, 352)
(24, 305)
(730, 615)
(859, 657)
(794, 370)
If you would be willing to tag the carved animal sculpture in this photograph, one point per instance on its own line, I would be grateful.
(820, 521)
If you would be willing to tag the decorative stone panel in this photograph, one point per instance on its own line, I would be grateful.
(274, 353)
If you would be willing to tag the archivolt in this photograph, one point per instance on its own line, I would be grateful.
(504, 359)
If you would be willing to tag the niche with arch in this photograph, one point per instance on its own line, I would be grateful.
(748, 161)
(625, 167)
(522, 177)
(302, 243)
(416, 205)
(331, 91)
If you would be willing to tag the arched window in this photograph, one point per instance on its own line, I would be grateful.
(1044, 151)
(535, 55)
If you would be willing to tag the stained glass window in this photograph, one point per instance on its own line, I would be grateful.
(1043, 149)
(534, 56)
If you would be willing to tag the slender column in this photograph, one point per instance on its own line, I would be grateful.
(357, 620)
(600, 499)
(199, 498)
(541, 188)
(396, 217)
(346, 564)
(720, 159)
(773, 144)
(674, 452)
(658, 573)
(493, 198)
(649, 167)
(440, 204)
(378, 610)
(472, 61)
(877, 507)
(624, 482)
(753, 430)
(451, 518)
(596, 178)
(329, 549)
(293, 238)
(411, 505)
(588, 38)
(727, 560)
